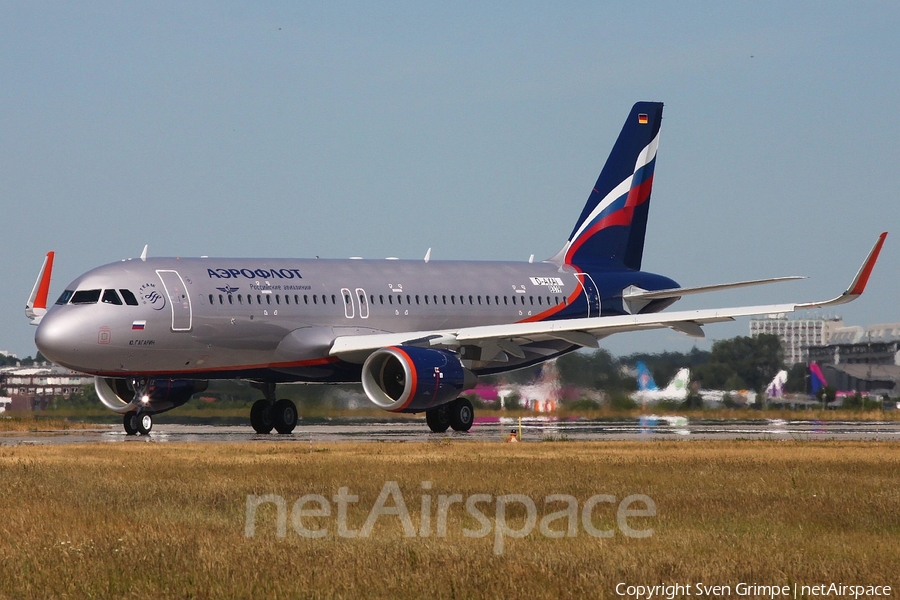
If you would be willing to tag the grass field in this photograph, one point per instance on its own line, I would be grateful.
(168, 520)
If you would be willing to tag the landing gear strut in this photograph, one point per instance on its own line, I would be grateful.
(268, 414)
(458, 414)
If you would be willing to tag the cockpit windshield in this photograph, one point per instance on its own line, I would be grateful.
(86, 297)
(93, 296)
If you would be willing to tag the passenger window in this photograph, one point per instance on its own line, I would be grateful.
(531, 298)
(497, 300)
(129, 298)
(426, 299)
(479, 299)
(408, 299)
(249, 299)
(315, 299)
(277, 298)
(64, 298)
(230, 299)
(306, 299)
(445, 299)
(505, 300)
(86, 297)
(221, 300)
(417, 298)
(268, 298)
(540, 301)
(211, 299)
(333, 299)
(380, 299)
(390, 299)
(296, 299)
(399, 299)
(287, 298)
(240, 298)
(111, 297)
(452, 299)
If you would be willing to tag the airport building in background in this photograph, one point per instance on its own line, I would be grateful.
(862, 359)
(35, 388)
(797, 335)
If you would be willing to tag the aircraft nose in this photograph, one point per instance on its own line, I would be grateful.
(56, 339)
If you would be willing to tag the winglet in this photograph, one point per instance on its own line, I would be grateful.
(36, 306)
(858, 285)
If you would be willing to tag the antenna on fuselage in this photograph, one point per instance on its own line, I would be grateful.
(531, 258)
(428, 255)
(144, 252)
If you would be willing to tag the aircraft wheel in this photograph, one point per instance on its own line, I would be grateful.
(438, 419)
(131, 423)
(262, 417)
(145, 423)
(285, 413)
(462, 415)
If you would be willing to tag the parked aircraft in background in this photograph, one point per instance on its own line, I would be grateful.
(153, 331)
(648, 392)
(775, 389)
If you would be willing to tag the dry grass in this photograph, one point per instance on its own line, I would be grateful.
(31, 422)
(167, 520)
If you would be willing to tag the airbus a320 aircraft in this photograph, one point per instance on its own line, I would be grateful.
(154, 331)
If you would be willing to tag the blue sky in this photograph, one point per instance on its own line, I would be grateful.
(334, 129)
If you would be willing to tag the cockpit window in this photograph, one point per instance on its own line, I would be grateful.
(86, 297)
(111, 297)
(130, 300)
(66, 295)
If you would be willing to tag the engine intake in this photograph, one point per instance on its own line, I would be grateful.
(413, 379)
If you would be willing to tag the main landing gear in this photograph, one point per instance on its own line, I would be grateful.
(458, 414)
(268, 414)
(138, 423)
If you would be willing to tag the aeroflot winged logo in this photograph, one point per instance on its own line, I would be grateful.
(254, 273)
(151, 296)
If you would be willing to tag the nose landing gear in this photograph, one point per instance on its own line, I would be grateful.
(138, 423)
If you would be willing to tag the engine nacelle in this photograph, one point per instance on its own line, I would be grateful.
(413, 379)
(163, 394)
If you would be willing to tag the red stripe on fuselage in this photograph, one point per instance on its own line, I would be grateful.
(315, 362)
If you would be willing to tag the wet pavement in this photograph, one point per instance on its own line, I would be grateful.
(534, 429)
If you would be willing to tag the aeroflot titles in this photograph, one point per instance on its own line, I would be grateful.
(254, 274)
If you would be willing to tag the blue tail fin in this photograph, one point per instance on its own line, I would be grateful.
(610, 231)
(644, 378)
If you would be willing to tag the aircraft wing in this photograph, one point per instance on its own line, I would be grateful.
(510, 338)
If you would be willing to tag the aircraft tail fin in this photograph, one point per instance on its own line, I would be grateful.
(817, 378)
(679, 383)
(775, 389)
(644, 378)
(610, 231)
(36, 306)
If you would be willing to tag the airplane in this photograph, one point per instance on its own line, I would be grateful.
(774, 389)
(415, 333)
(649, 392)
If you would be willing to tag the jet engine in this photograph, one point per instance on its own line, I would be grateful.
(413, 379)
(161, 394)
